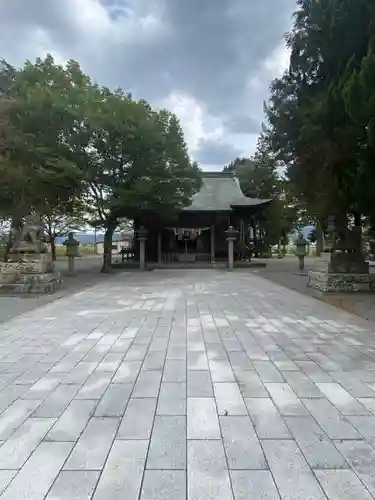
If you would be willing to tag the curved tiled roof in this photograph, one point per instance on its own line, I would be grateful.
(221, 191)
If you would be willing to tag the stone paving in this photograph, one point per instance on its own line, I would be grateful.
(198, 385)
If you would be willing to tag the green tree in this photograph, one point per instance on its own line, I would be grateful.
(136, 161)
(61, 219)
(311, 110)
(260, 178)
(39, 167)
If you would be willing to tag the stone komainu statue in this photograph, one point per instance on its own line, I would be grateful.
(31, 238)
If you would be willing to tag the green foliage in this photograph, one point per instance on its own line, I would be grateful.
(259, 178)
(70, 143)
(321, 111)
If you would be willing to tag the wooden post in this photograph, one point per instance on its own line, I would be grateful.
(230, 255)
(212, 244)
(160, 257)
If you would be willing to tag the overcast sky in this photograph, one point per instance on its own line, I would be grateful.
(210, 61)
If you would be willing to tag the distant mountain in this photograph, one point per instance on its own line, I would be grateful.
(89, 238)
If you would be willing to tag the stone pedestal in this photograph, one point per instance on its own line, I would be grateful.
(142, 238)
(231, 238)
(72, 246)
(29, 274)
(332, 278)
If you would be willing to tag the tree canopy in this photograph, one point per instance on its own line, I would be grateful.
(71, 142)
(321, 110)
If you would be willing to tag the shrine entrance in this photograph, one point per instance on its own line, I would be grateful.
(189, 244)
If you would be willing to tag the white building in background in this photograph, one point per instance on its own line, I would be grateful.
(120, 241)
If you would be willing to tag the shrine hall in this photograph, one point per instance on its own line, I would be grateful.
(198, 233)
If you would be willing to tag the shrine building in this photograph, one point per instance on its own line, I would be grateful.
(198, 232)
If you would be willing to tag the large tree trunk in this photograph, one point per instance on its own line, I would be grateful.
(8, 246)
(52, 241)
(319, 237)
(107, 255)
(358, 230)
(255, 239)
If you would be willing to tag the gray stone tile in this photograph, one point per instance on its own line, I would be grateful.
(197, 361)
(5, 478)
(267, 371)
(361, 457)
(17, 449)
(240, 361)
(282, 361)
(42, 388)
(221, 370)
(55, 404)
(174, 370)
(80, 373)
(160, 344)
(253, 484)
(341, 399)
(13, 417)
(164, 485)
(138, 419)
(199, 384)
(267, 420)
(286, 400)
(121, 345)
(172, 399)
(208, 476)
(250, 385)
(93, 446)
(11, 394)
(292, 475)
(95, 386)
(37, 475)
(72, 422)
(301, 385)
(168, 443)
(202, 419)
(216, 351)
(123, 471)
(74, 485)
(110, 363)
(365, 425)
(355, 387)
(318, 450)
(136, 353)
(114, 401)
(313, 371)
(368, 403)
(147, 385)
(127, 372)
(229, 399)
(330, 420)
(241, 444)
(342, 485)
(177, 352)
(154, 360)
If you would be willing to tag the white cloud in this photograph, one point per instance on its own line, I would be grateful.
(209, 63)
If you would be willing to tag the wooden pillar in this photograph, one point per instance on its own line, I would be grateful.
(242, 239)
(160, 257)
(212, 243)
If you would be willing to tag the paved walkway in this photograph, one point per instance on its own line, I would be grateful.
(203, 385)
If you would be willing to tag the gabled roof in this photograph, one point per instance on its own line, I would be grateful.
(221, 191)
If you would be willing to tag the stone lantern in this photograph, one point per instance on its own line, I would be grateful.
(142, 237)
(301, 251)
(72, 246)
(231, 238)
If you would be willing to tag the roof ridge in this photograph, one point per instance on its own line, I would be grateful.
(223, 175)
